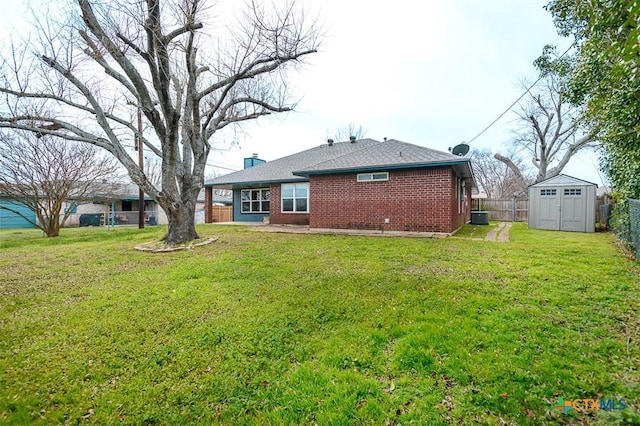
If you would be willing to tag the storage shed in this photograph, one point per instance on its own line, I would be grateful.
(563, 203)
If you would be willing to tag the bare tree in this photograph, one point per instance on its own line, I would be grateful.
(553, 130)
(348, 131)
(496, 178)
(45, 173)
(92, 73)
(153, 170)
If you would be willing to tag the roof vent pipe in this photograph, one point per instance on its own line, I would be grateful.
(352, 139)
(330, 142)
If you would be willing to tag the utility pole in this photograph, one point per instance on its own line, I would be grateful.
(139, 148)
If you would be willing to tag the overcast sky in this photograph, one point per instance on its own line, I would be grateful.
(432, 73)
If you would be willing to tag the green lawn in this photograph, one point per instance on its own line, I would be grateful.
(475, 231)
(272, 329)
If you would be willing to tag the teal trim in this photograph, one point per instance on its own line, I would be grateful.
(10, 219)
(238, 216)
(136, 198)
(254, 184)
(73, 209)
(381, 168)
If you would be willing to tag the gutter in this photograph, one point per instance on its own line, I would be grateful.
(380, 168)
(244, 184)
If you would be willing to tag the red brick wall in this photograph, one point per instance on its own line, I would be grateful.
(277, 217)
(413, 200)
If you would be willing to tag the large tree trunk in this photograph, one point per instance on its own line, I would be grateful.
(48, 220)
(52, 228)
(149, 55)
(182, 228)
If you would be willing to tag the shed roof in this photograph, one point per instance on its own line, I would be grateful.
(562, 180)
(344, 157)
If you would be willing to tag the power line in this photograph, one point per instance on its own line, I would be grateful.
(505, 111)
(222, 167)
(515, 102)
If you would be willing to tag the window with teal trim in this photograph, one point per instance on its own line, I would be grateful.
(71, 208)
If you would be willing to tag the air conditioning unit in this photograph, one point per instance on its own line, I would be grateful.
(479, 218)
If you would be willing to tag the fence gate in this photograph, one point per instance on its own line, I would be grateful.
(222, 213)
(503, 209)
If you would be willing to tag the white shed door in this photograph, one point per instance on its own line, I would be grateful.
(549, 217)
(572, 210)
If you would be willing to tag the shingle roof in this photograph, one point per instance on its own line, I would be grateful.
(383, 155)
(361, 155)
(281, 170)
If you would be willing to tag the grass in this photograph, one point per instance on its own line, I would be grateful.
(475, 231)
(263, 328)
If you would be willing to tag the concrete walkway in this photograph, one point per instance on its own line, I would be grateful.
(304, 229)
(500, 233)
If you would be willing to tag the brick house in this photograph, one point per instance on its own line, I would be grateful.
(359, 184)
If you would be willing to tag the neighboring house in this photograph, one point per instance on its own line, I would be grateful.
(360, 184)
(109, 204)
(10, 219)
(118, 204)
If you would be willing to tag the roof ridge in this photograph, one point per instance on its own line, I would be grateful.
(307, 150)
(566, 176)
(373, 148)
(426, 147)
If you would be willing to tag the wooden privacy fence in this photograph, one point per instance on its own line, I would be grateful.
(517, 209)
(503, 209)
(222, 213)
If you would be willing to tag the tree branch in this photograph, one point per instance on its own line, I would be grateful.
(178, 32)
(14, 123)
(513, 168)
(223, 120)
(570, 152)
(142, 94)
(250, 71)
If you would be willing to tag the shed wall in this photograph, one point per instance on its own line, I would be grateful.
(560, 211)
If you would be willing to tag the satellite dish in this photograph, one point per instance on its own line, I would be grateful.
(460, 149)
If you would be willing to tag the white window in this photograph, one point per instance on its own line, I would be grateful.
(368, 177)
(547, 192)
(255, 200)
(295, 198)
(573, 191)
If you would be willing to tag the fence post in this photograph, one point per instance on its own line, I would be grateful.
(634, 225)
(513, 209)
